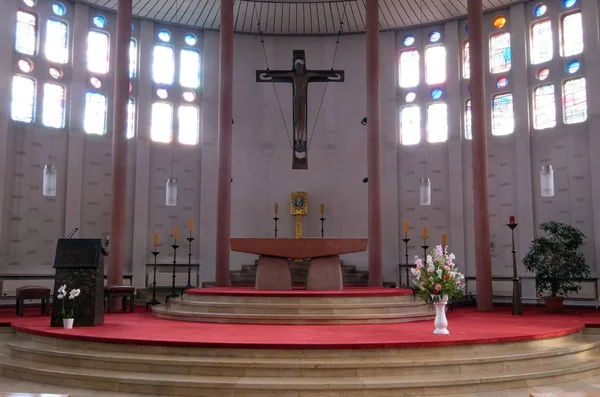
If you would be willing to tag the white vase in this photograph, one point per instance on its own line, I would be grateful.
(68, 323)
(440, 322)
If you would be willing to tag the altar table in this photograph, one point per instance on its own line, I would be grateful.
(324, 269)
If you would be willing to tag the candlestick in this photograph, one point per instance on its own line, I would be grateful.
(425, 233)
(443, 241)
(173, 294)
(406, 240)
(322, 218)
(276, 218)
(405, 227)
(517, 308)
(155, 239)
(191, 225)
(176, 232)
(322, 209)
(154, 301)
(189, 284)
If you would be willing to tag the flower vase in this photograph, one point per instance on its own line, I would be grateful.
(440, 322)
(68, 323)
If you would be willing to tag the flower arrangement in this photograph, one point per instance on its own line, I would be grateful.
(438, 276)
(62, 292)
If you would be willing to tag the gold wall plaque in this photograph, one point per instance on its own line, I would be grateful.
(299, 203)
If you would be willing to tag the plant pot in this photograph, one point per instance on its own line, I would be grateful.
(554, 304)
(68, 323)
(440, 321)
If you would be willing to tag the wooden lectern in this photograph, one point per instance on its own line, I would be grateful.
(79, 264)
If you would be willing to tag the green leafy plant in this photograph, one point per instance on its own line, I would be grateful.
(555, 258)
(438, 276)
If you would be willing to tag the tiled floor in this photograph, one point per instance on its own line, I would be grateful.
(15, 385)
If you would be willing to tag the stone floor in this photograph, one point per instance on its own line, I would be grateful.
(16, 385)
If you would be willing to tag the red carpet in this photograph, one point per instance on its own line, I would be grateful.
(346, 292)
(466, 325)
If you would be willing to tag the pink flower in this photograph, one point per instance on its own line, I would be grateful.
(447, 268)
(438, 288)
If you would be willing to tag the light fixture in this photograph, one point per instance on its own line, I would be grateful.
(365, 180)
(547, 180)
(171, 192)
(425, 191)
(364, 121)
(49, 181)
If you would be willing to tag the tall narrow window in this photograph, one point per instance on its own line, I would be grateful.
(574, 101)
(26, 33)
(53, 105)
(466, 61)
(435, 64)
(57, 43)
(437, 122)
(409, 69)
(189, 71)
(468, 122)
(161, 129)
(133, 55)
(410, 125)
(188, 124)
(22, 104)
(503, 118)
(541, 42)
(163, 64)
(94, 119)
(544, 107)
(572, 35)
(500, 57)
(98, 52)
(131, 118)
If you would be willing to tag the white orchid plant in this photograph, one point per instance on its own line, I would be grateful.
(62, 293)
(438, 276)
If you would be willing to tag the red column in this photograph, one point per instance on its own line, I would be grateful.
(119, 146)
(373, 144)
(225, 142)
(483, 255)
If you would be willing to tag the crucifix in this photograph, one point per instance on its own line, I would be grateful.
(299, 76)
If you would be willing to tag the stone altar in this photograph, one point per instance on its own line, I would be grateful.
(324, 270)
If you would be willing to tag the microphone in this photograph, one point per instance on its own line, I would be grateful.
(75, 229)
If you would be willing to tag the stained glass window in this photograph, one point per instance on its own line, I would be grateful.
(544, 107)
(99, 21)
(409, 69)
(163, 64)
(466, 61)
(25, 65)
(410, 125)
(542, 74)
(541, 42)
(574, 101)
(25, 33)
(57, 44)
(190, 39)
(59, 9)
(98, 55)
(133, 55)
(499, 22)
(189, 71)
(500, 58)
(53, 105)
(539, 10)
(409, 40)
(503, 118)
(94, 119)
(468, 122)
(435, 64)
(131, 118)
(437, 122)
(161, 129)
(189, 125)
(572, 35)
(22, 103)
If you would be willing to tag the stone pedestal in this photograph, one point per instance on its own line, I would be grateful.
(325, 273)
(79, 264)
(273, 273)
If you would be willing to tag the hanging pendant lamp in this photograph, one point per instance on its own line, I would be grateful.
(547, 181)
(171, 192)
(49, 181)
(425, 191)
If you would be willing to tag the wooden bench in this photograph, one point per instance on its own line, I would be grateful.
(41, 293)
(124, 291)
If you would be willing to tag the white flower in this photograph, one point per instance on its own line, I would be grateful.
(74, 293)
(439, 272)
(429, 260)
(452, 274)
(62, 290)
(439, 251)
(60, 296)
(419, 263)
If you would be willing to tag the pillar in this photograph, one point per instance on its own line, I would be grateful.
(119, 147)
(373, 144)
(225, 142)
(483, 255)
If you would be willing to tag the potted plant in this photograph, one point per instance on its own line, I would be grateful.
(438, 280)
(558, 264)
(68, 316)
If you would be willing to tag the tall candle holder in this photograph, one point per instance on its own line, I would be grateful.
(406, 240)
(322, 219)
(425, 246)
(276, 218)
(189, 284)
(154, 301)
(173, 293)
(517, 308)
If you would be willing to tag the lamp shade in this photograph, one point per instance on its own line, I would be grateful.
(49, 181)
(547, 181)
(425, 191)
(171, 192)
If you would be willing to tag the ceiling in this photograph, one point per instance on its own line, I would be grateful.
(286, 17)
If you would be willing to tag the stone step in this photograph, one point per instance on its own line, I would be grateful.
(304, 299)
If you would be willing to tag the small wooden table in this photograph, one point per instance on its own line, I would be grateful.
(324, 269)
(41, 293)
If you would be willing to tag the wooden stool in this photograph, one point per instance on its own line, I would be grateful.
(41, 293)
(124, 291)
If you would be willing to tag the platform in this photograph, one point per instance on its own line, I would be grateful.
(246, 305)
